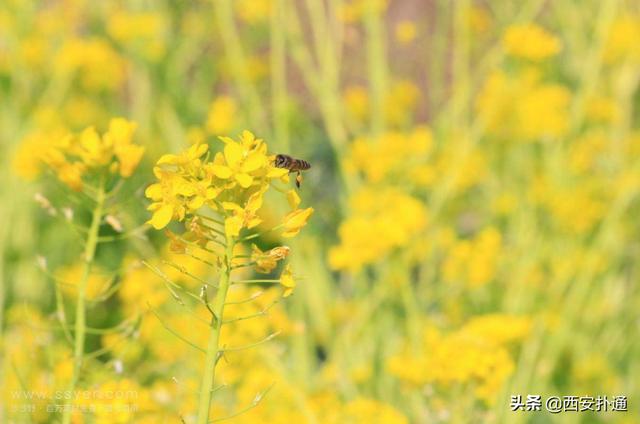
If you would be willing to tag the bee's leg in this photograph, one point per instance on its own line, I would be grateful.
(298, 179)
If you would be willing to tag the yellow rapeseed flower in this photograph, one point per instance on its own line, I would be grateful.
(530, 41)
(287, 281)
(295, 220)
(221, 116)
(73, 157)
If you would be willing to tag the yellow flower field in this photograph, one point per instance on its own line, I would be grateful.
(320, 211)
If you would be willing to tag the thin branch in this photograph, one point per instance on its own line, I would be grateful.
(245, 265)
(249, 299)
(253, 404)
(170, 284)
(256, 282)
(256, 235)
(61, 315)
(209, 218)
(273, 280)
(205, 300)
(184, 271)
(263, 312)
(204, 261)
(111, 193)
(249, 346)
(126, 324)
(215, 230)
(169, 329)
(107, 293)
(220, 387)
(122, 236)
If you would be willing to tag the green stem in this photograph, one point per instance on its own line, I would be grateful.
(239, 64)
(376, 57)
(213, 349)
(279, 76)
(80, 324)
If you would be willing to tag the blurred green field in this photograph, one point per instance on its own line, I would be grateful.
(473, 243)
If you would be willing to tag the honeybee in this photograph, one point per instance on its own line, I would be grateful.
(293, 165)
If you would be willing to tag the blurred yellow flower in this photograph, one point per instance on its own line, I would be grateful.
(522, 107)
(530, 41)
(474, 262)
(353, 11)
(400, 102)
(73, 157)
(396, 218)
(622, 40)
(98, 64)
(474, 354)
(362, 410)
(142, 32)
(391, 155)
(222, 115)
(98, 282)
(480, 20)
(406, 31)
(253, 11)
(356, 100)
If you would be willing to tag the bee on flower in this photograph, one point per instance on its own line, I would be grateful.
(218, 197)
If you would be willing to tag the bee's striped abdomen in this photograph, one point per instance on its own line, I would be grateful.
(302, 165)
(287, 162)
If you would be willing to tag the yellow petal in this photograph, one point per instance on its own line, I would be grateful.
(129, 157)
(287, 281)
(293, 198)
(90, 140)
(226, 140)
(120, 131)
(161, 217)
(294, 221)
(168, 160)
(230, 206)
(277, 172)
(232, 226)
(253, 162)
(248, 138)
(212, 193)
(196, 203)
(154, 192)
(244, 180)
(255, 201)
(233, 154)
(221, 171)
(185, 189)
(197, 150)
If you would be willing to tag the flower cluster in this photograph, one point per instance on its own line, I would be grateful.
(233, 184)
(392, 155)
(476, 354)
(474, 261)
(394, 227)
(523, 106)
(530, 41)
(72, 157)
